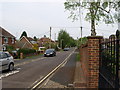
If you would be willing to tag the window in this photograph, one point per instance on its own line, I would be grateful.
(8, 55)
(5, 40)
(4, 55)
(13, 40)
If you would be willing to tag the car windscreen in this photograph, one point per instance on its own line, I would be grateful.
(48, 51)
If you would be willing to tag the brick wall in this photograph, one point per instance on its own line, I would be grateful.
(93, 62)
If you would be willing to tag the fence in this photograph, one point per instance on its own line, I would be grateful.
(110, 62)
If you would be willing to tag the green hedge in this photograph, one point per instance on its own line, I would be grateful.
(26, 51)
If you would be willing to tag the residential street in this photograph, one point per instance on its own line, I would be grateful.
(28, 72)
(64, 77)
(59, 44)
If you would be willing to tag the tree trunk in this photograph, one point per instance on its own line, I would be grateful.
(93, 13)
(93, 32)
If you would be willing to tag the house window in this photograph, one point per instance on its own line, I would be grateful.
(13, 40)
(5, 40)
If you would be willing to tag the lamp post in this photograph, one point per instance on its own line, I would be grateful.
(61, 43)
(50, 37)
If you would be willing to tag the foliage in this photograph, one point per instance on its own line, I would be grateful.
(36, 47)
(82, 41)
(26, 51)
(35, 38)
(10, 48)
(78, 57)
(95, 11)
(65, 40)
(23, 34)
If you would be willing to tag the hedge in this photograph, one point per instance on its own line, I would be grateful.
(26, 51)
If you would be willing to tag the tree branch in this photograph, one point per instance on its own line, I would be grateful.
(104, 9)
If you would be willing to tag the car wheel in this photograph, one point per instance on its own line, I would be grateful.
(11, 66)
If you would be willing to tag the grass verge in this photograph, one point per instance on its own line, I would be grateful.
(78, 57)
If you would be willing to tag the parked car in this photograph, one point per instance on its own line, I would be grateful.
(50, 52)
(6, 61)
(66, 49)
(14, 54)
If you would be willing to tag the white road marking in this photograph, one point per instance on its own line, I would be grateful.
(3, 75)
(8, 74)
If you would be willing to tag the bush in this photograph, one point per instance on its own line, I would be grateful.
(78, 57)
(10, 48)
(26, 51)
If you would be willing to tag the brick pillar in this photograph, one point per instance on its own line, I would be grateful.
(93, 62)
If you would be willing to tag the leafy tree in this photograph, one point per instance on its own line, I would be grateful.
(65, 40)
(96, 11)
(23, 34)
(36, 47)
(35, 38)
(84, 40)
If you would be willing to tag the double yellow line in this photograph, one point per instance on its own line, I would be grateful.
(41, 81)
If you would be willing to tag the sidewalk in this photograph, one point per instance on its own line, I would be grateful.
(79, 78)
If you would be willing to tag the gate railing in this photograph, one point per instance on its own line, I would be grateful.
(110, 62)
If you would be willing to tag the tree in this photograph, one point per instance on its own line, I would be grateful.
(23, 34)
(96, 11)
(65, 40)
(35, 38)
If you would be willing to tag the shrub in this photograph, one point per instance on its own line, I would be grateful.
(10, 48)
(26, 51)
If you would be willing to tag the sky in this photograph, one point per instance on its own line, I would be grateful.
(37, 16)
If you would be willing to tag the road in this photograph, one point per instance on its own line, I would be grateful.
(29, 72)
(64, 77)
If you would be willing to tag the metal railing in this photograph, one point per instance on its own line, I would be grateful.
(110, 62)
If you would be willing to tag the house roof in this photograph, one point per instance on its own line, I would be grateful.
(45, 39)
(26, 40)
(5, 33)
(30, 39)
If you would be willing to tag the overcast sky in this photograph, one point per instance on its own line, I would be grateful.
(36, 18)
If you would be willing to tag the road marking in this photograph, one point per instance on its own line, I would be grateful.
(50, 73)
(8, 74)
(36, 81)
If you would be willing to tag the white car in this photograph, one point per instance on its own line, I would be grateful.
(6, 61)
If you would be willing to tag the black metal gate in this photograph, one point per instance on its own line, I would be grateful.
(110, 62)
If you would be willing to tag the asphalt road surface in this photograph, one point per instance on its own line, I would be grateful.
(28, 72)
(64, 77)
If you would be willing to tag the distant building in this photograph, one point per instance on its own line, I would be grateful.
(45, 42)
(6, 38)
(26, 42)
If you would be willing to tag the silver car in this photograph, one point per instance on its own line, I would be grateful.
(6, 61)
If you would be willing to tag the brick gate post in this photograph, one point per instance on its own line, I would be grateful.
(93, 62)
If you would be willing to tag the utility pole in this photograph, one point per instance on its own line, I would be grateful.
(55, 36)
(81, 33)
(80, 21)
(50, 36)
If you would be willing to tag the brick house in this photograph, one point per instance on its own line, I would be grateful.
(45, 41)
(6, 38)
(26, 42)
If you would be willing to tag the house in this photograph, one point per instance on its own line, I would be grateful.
(6, 38)
(45, 42)
(26, 42)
